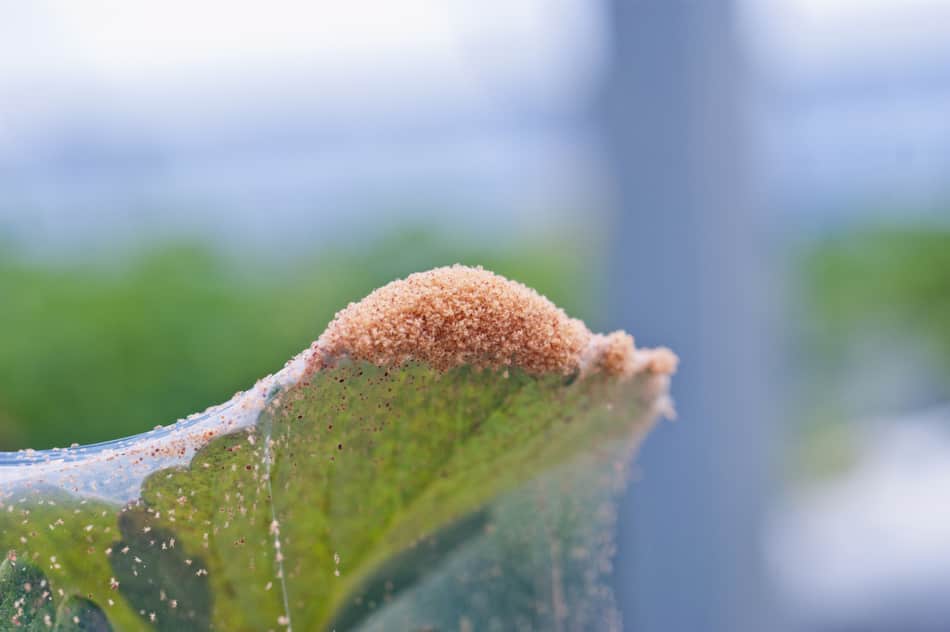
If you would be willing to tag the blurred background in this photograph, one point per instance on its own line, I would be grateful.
(188, 191)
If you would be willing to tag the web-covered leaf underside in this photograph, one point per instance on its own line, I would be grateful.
(367, 498)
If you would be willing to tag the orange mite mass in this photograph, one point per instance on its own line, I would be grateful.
(458, 315)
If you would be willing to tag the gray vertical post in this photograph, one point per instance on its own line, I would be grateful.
(686, 270)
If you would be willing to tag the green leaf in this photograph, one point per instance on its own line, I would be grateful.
(78, 614)
(543, 562)
(403, 571)
(351, 470)
(359, 487)
(68, 538)
(26, 602)
(153, 573)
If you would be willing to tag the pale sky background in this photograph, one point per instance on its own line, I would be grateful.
(827, 36)
(181, 108)
(151, 56)
(173, 62)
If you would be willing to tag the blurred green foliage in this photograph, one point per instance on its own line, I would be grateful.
(894, 279)
(91, 351)
(867, 292)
